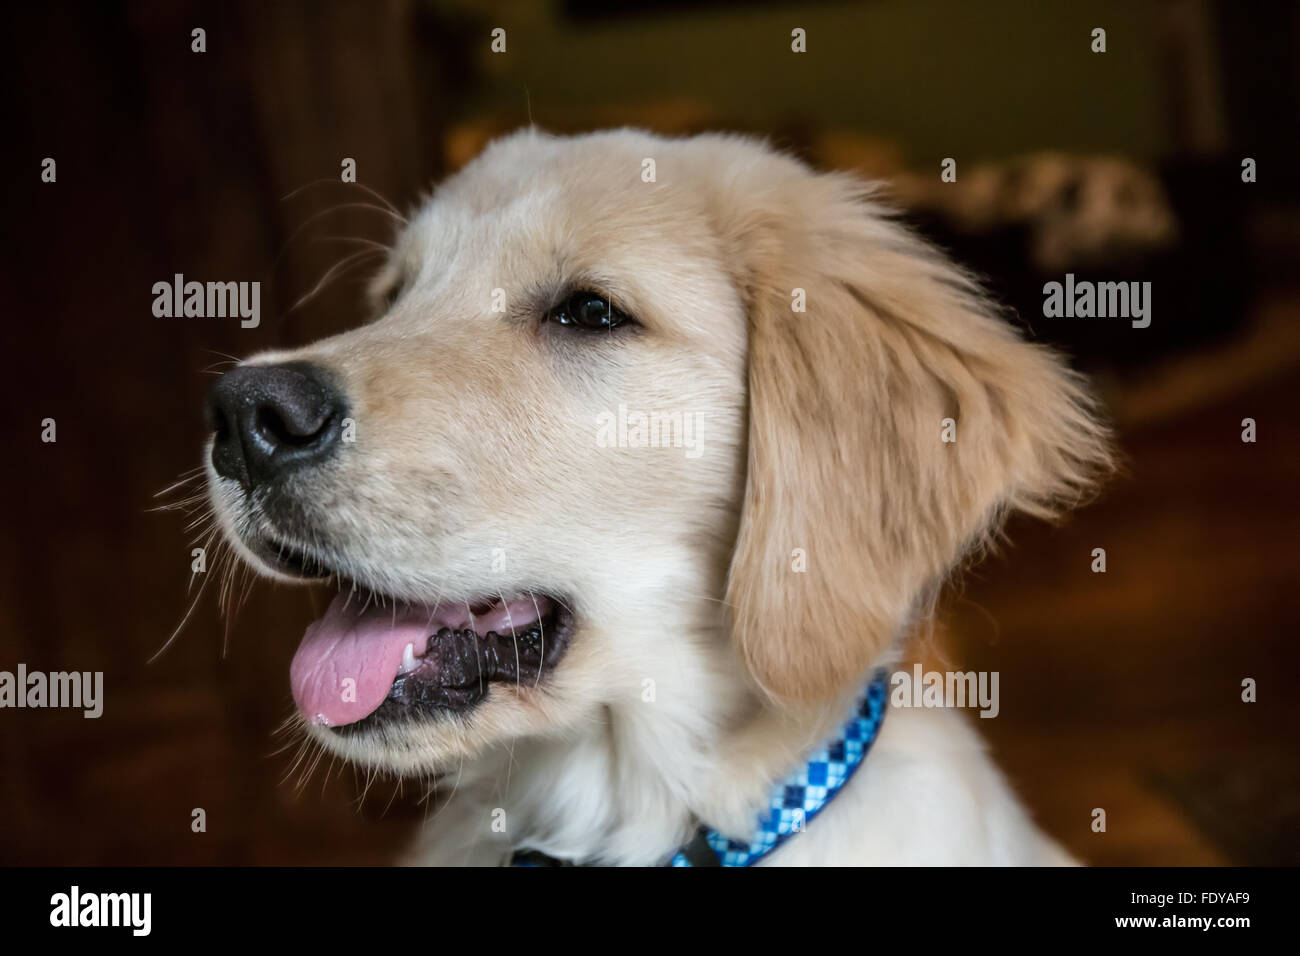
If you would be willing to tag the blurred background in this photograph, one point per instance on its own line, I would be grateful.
(1119, 690)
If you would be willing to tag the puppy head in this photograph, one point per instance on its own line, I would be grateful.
(618, 385)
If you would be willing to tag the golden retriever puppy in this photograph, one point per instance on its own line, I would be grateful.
(654, 453)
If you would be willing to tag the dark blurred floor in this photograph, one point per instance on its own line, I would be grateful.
(1119, 691)
(1123, 690)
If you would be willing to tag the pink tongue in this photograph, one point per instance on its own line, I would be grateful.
(348, 660)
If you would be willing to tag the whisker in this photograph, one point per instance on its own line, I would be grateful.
(345, 263)
(185, 479)
(369, 242)
(510, 622)
(541, 625)
(325, 212)
(510, 758)
(184, 621)
(478, 650)
(224, 355)
(362, 186)
(304, 745)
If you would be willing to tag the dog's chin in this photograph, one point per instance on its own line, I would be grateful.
(385, 673)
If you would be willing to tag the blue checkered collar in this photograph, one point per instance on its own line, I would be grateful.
(801, 795)
(793, 802)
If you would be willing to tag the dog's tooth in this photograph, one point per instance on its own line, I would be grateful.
(409, 663)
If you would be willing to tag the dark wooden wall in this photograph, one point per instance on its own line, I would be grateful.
(172, 161)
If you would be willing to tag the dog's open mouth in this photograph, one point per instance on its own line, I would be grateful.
(372, 659)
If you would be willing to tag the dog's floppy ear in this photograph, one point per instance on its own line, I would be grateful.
(892, 423)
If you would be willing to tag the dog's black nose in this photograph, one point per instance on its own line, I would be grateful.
(270, 419)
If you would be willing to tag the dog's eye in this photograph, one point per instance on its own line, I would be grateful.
(587, 311)
(391, 296)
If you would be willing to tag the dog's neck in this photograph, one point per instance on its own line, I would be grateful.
(634, 786)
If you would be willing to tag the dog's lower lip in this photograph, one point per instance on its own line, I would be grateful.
(294, 561)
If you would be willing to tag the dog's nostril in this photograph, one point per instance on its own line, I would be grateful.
(269, 419)
(300, 427)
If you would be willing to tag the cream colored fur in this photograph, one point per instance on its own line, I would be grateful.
(705, 665)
